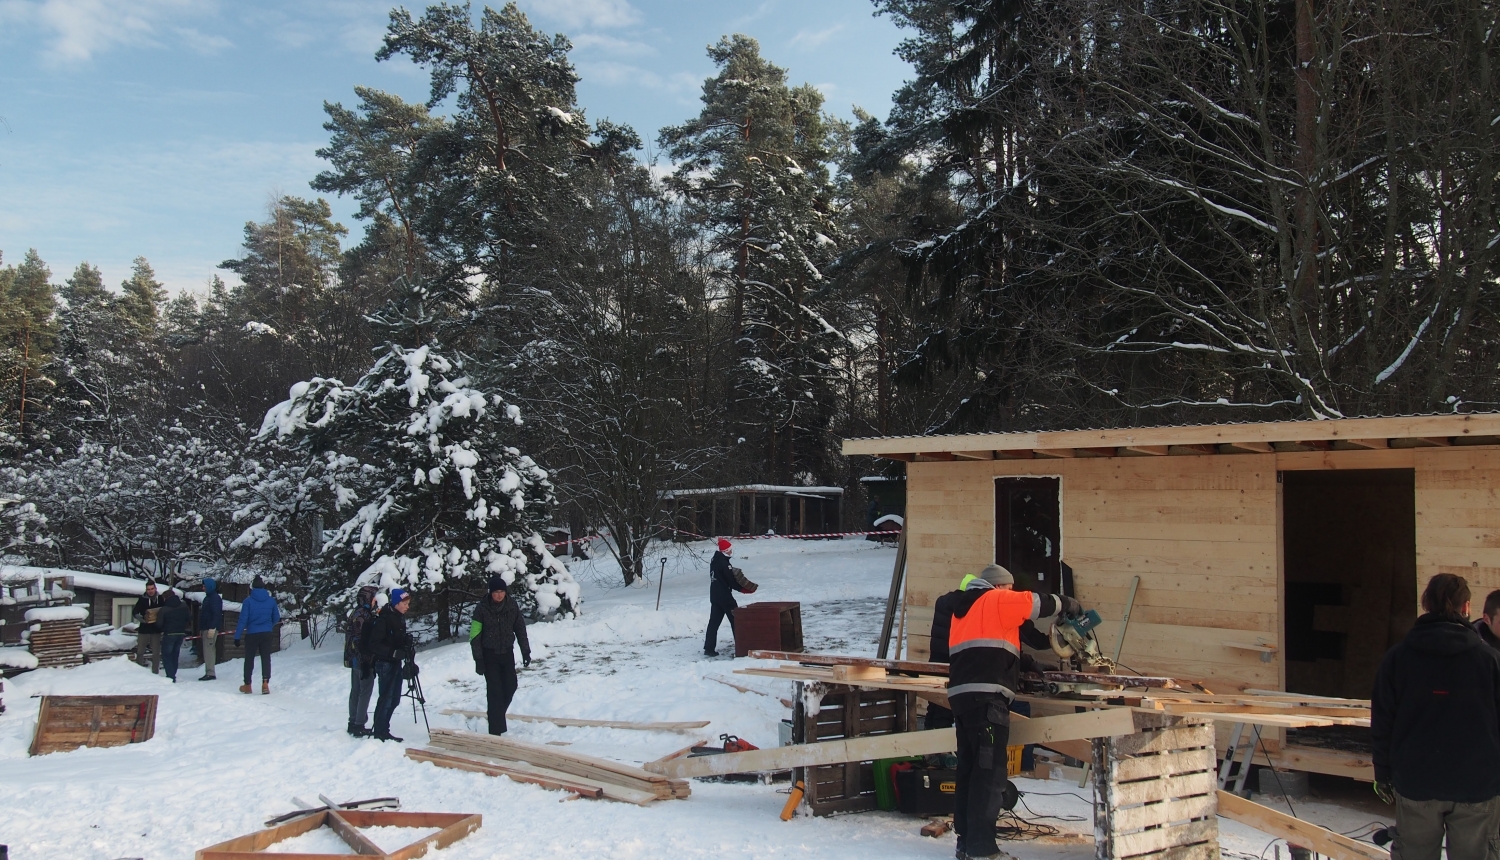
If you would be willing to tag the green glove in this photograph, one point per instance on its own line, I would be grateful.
(1384, 791)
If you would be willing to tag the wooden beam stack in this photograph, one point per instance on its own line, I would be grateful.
(57, 643)
(550, 767)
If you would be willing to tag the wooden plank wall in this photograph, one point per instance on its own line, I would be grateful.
(1458, 517)
(1201, 532)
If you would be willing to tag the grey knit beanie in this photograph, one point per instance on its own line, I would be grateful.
(994, 574)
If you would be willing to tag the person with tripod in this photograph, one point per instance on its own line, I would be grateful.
(497, 626)
(383, 651)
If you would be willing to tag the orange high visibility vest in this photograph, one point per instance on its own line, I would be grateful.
(992, 624)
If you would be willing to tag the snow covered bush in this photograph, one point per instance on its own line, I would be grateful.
(410, 465)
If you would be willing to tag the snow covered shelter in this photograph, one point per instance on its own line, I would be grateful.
(754, 509)
(1283, 556)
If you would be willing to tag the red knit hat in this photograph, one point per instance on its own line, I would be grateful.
(724, 544)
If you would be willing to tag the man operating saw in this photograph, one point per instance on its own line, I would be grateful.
(984, 651)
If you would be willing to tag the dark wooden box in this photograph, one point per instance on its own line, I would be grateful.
(769, 626)
(826, 712)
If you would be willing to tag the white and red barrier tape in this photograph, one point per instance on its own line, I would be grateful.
(892, 532)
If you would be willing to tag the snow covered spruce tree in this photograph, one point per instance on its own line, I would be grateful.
(412, 464)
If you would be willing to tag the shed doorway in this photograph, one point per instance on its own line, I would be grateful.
(1028, 532)
(1350, 542)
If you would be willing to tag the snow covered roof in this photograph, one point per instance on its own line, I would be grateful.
(107, 582)
(24, 573)
(756, 488)
(1258, 437)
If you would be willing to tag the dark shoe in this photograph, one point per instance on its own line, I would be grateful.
(386, 736)
(358, 732)
(710, 653)
(208, 678)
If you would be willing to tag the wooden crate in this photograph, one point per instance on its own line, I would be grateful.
(825, 712)
(768, 626)
(69, 722)
(1156, 791)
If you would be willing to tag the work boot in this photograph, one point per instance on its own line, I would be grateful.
(209, 678)
(358, 731)
(386, 736)
(707, 653)
(265, 688)
(245, 688)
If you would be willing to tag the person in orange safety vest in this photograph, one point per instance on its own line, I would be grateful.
(984, 653)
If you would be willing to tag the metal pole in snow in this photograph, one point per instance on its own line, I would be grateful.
(659, 579)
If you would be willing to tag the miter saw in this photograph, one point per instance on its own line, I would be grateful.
(1084, 667)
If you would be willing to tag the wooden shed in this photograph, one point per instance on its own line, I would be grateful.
(754, 509)
(1275, 556)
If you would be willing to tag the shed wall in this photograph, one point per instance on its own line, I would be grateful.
(1202, 532)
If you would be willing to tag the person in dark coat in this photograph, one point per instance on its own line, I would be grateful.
(498, 626)
(361, 683)
(210, 619)
(1488, 625)
(148, 627)
(721, 601)
(1435, 731)
(387, 647)
(259, 616)
(174, 619)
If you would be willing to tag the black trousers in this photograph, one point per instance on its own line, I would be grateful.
(499, 688)
(258, 643)
(937, 717)
(982, 777)
(716, 617)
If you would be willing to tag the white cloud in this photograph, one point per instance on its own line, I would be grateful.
(76, 31)
(612, 45)
(203, 43)
(588, 14)
(810, 39)
(611, 73)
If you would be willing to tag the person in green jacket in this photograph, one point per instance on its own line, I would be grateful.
(497, 627)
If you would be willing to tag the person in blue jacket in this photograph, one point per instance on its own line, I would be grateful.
(210, 617)
(259, 616)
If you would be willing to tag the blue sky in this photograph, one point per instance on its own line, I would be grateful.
(159, 127)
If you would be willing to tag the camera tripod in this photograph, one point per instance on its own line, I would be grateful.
(413, 691)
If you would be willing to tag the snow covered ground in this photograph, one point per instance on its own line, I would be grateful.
(221, 762)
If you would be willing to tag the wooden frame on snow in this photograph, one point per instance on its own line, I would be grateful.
(453, 826)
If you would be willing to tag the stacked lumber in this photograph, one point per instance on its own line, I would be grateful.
(57, 635)
(548, 766)
(1156, 791)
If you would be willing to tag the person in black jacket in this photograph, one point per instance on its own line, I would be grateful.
(174, 618)
(721, 601)
(497, 627)
(1488, 626)
(1435, 729)
(148, 627)
(387, 647)
(210, 619)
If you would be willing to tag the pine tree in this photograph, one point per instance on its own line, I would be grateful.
(417, 463)
(141, 299)
(28, 328)
(755, 165)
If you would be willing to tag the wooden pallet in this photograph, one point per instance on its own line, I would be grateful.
(57, 643)
(1156, 791)
(827, 712)
(346, 823)
(69, 722)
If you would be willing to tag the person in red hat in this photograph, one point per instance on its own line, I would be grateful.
(721, 587)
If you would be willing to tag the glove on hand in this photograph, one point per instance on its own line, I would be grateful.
(1071, 608)
(236, 643)
(1384, 791)
(478, 668)
(525, 662)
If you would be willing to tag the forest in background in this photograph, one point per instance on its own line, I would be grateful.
(1076, 215)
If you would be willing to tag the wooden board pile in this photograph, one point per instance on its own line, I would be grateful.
(1156, 791)
(69, 722)
(57, 635)
(549, 767)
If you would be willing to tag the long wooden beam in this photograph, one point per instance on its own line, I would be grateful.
(1431, 428)
(571, 722)
(1042, 730)
(1297, 831)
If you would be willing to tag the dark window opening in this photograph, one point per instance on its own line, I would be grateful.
(1028, 532)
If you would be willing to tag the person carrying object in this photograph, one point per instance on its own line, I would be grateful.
(210, 618)
(174, 619)
(259, 616)
(984, 652)
(721, 588)
(498, 626)
(385, 649)
(361, 683)
(148, 627)
(1435, 731)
